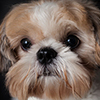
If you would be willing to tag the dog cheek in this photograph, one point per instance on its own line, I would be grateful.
(16, 81)
(77, 78)
(19, 79)
(80, 85)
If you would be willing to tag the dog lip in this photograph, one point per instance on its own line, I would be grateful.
(46, 72)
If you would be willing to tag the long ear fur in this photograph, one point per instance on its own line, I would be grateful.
(94, 15)
(6, 53)
(8, 56)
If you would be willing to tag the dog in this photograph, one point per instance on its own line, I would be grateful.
(50, 50)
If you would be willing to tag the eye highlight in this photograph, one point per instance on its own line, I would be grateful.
(72, 41)
(25, 44)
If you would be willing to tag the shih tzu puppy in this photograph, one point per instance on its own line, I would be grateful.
(50, 50)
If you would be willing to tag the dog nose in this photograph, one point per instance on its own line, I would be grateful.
(46, 55)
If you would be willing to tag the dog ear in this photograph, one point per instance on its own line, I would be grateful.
(6, 53)
(94, 15)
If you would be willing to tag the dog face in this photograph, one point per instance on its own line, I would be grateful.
(50, 48)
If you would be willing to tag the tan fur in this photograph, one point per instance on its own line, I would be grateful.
(47, 23)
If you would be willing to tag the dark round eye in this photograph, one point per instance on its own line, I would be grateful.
(25, 44)
(72, 41)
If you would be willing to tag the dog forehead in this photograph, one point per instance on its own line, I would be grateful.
(48, 16)
(51, 17)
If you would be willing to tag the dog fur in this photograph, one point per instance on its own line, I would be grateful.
(74, 73)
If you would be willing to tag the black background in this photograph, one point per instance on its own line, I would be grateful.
(5, 6)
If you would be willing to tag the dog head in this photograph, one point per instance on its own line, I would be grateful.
(50, 48)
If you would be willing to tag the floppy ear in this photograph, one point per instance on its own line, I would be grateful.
(6, 53)
(94, 15)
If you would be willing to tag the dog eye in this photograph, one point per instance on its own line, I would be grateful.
(72, 41)
(25, 44)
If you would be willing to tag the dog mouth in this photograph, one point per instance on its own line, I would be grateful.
(47, 72)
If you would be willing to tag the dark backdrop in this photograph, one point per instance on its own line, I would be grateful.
(5, 5)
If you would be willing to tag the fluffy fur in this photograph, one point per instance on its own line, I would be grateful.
(74, 74)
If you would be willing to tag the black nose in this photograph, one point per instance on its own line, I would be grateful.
(46, 55)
